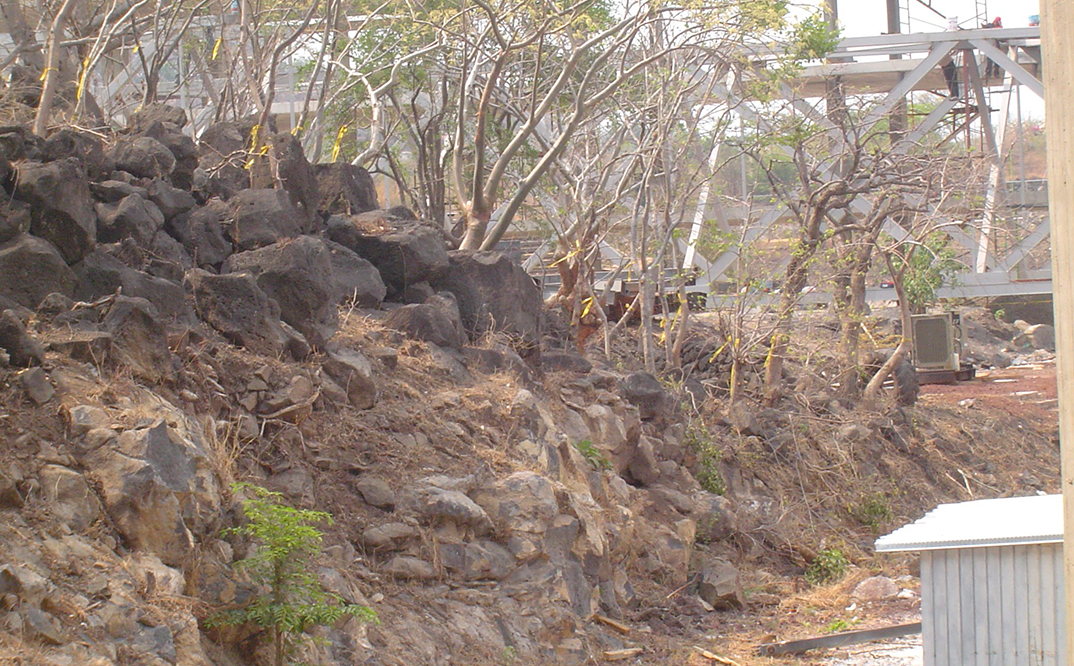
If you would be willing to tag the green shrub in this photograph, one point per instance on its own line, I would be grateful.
(593, 455)
(872, 510)
(287, 539)
(830, 565)
(708, 472)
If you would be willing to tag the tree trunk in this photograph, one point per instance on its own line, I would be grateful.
(872, 390)
(477, 222)
(48, 90)
(797, 273)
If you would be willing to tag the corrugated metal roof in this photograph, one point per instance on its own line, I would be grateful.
(991, 522)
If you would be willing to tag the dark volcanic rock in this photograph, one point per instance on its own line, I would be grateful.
(262, 217)
(405, 253)
(355, 280)
(297, 273)
(171, 201)
(100, 274)
(23, 350)
(182, 148)
(344, 189)
(156, 112)
(436, 321)
(133, 217)
(139, 339)
(143, 157)
(354, 373)
(495, 294)
(297, 177)
(645, 392)
(62, 205)
(31, 269)
(201, 231)
(84, 147)
(18, 143)
(15, 218)
(236, 307)
(114, 191)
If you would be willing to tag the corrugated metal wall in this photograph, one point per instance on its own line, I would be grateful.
(997, 606)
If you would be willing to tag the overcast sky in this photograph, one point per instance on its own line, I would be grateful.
(869, 17)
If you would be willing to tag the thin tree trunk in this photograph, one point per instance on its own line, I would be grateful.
(872, 390)
(48, 90)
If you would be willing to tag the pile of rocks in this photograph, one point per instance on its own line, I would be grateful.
(169, 234)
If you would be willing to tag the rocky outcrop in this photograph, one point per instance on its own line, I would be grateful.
(239, 310)
(261, 217)
(62, 207)
(344, 189)
(405, 253)
(143, 157)
(436, 320)
(30, 269)
(297, 274)
(494, 294)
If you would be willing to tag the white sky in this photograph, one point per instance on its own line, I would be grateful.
(869, 17)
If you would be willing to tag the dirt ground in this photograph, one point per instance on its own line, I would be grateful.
(1017, 394)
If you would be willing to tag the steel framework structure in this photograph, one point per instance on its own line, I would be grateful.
(996, 60)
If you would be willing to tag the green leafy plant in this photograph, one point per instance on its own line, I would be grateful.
(837, 626)
(286, 540)
(830, 565)
(708, 472)
(873, 510)
(592, 454)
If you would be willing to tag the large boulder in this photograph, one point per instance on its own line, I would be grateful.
(83, 146)
(71, 499)
(297, 177)
(239, 310)
(182, 149)
(143, 157)
(163, 257)
(21, 348)
(645, 392)
(221, 158)
(171, 201)
(101, 274)
(158, 487)
(262, 217)
(720, 586)
(494, 294)
(133, 217)
(156, 112)
(354, 373)
(297, 273)
(355, 280)
(405, 253)
(15, 218)
(139, 340)
(30, 269)
(436, 320)
(62, 205)
(1037, 336)
(201, 231)
(522, 507)
(344, 189)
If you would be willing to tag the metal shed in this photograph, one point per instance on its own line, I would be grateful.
(991, 581)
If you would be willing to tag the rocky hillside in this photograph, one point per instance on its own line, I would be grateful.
(167, 330)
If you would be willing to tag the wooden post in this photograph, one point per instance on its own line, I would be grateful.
(1057, 38)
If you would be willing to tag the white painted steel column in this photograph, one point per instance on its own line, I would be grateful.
(1057, 42)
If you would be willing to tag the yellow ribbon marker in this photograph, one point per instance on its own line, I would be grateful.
(216, 47)
(82, 79)
(339, 143)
